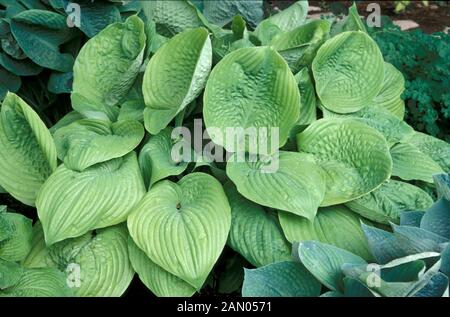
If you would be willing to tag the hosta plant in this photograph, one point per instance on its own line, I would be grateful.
(142, 176)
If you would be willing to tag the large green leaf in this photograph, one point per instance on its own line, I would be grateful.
(287, 181)
(324, 261)
(95, 264)
(40, 282)
(175, 76)
(156, 159)
(72, 203)
(354, 156)
(281, 279)
(308, 111)
(437, 149)
(255, 232)
(299, 46)
(27, 150)
(183, 226)
(251, 88)
(106, 68)
(393, 129)
(349, 72)
(335, 225)
(352, 22)
(389, 98)
(39, 34)
(17, 245)
(386, 203)
(290, 18)
(412, 164)
(172, 17)
(91, 141)
(158, 280)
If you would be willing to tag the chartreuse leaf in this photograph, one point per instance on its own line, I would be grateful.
(393, 129)
(27, 150)
(280, 279)
(349, 72)
(255, 232)
(412, 164)
(106, 68)
(156, 159)
(6, 228)
(69, 118)
(39, 282)
(335, 225)
(389, 98)
(437, 149)
(299, 46)
(290, 18)
(183, 226)
(72, 203)
(352, 22)
(175, 76)
(324, 261)
(39, 34)
(307, 97)
(287, 181)
(10, 274)
(91, 141)
(158, 280)
(437, 218)
(354, 156)
(386, 203)
(251, 89)
(18, 243)
(95, 264)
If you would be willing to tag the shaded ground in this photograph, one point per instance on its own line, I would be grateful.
(431, 19)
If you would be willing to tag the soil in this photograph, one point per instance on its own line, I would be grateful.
(431, 19)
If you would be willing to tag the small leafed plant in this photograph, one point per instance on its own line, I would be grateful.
(334, 173)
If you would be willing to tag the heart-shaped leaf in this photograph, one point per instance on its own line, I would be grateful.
(351, 171)
(91, 141)
(106, 68)
(349, 72)
(255, 232)
(27, 150)
(183, 226)
(335, 225)
(251, 89)
(72, 203)
(175, 76)
(287, 181)
(158, 280)
(281, 279)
